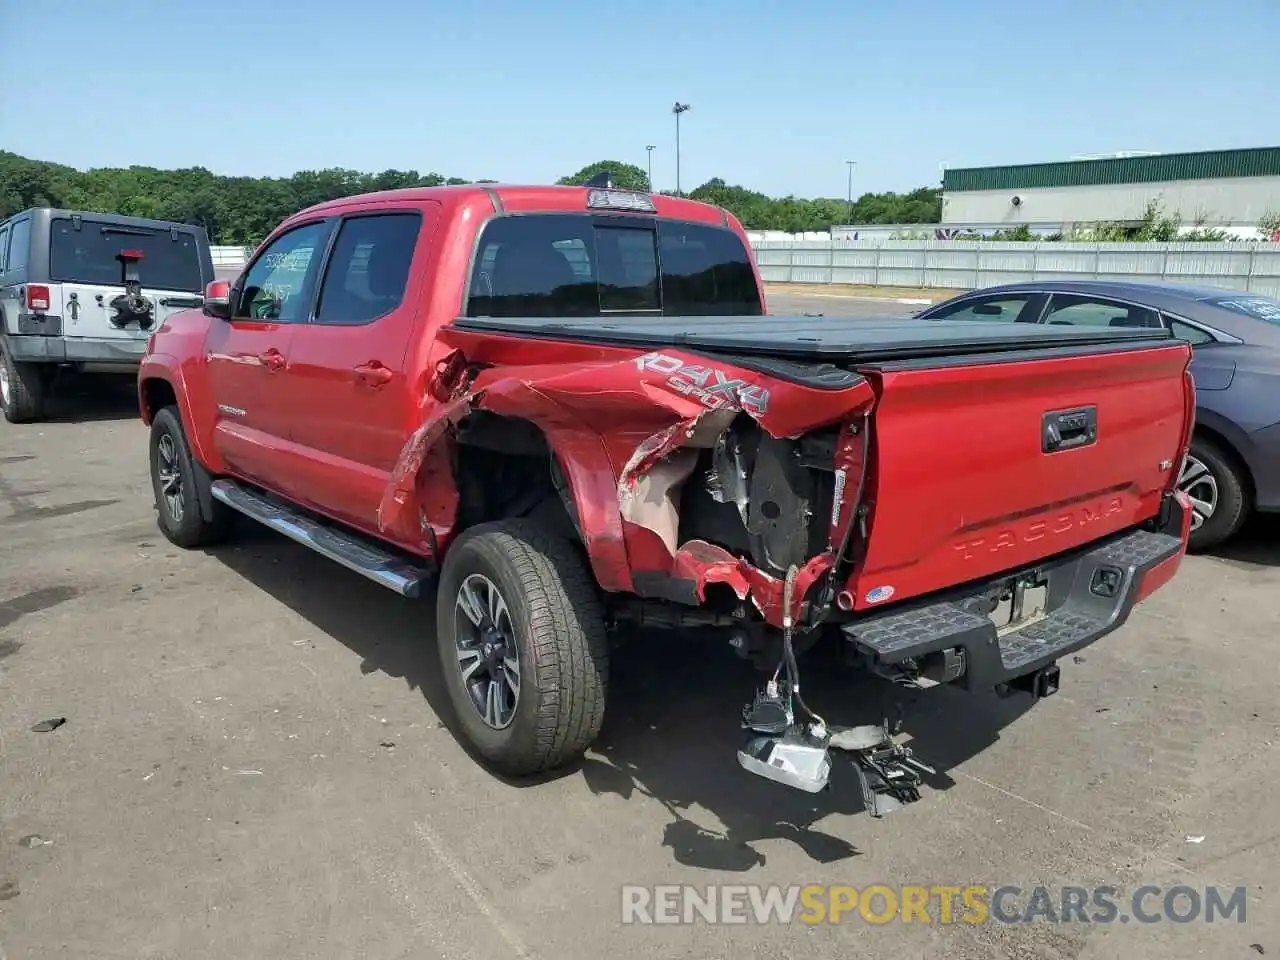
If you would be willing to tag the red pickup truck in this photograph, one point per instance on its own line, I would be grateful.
(566, 408)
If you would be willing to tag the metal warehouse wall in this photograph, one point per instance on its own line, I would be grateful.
(1241, 200)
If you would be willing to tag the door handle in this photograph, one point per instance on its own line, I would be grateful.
(1067, 429)
(373, 373)
(273, 359)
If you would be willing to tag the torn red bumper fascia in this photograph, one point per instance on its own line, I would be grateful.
(705, 563)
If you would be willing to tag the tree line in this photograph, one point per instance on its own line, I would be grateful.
(242, 210)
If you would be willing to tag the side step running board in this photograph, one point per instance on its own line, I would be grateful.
(341, 546)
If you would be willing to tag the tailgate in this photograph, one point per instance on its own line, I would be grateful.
(980, 467)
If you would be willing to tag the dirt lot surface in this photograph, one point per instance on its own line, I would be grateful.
(921, 295)
(255, 763)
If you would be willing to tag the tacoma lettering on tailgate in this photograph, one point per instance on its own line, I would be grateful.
(1037, 528)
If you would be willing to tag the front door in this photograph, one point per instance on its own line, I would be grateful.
(349, 392)
(248, 355)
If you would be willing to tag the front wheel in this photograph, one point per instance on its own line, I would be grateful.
(174, 481)
(1218, 491)
(521, 636)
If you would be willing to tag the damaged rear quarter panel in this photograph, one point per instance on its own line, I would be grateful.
(618, 420)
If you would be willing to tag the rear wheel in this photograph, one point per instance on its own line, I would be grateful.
(1215, 482)
(22, 389)
(173, 478)
(521, 636)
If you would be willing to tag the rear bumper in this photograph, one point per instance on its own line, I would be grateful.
(1091, 592)
(126, 354)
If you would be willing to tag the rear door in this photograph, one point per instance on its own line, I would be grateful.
(347, 385)
(90, 261)
(248, 355)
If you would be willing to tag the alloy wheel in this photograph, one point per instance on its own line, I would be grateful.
(488, 658)
(1199, 484)
(169, 473)
(4, 383)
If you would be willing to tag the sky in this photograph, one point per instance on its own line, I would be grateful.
(781, 95)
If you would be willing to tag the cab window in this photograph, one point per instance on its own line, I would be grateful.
(278, 286)
(570, 265)
(368, 269)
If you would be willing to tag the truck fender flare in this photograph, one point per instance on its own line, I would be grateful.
(165, 368)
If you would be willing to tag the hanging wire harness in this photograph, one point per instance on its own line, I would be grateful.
(796, 750)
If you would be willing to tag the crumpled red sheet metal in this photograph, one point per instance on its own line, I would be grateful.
(634, 410)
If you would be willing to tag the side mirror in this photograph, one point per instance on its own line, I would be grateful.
(217, 300)
(988, 310)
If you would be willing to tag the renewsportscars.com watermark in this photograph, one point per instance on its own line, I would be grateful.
(938, 904)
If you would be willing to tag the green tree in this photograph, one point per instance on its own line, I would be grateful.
(242, 210)
(626, 176)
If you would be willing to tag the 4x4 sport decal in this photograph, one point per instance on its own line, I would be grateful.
(710, 386)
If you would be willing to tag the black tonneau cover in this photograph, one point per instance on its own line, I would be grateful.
(826, 338)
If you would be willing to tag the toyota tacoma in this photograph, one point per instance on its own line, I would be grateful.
(563, 409)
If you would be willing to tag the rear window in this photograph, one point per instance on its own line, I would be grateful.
(170, 261)
(569, 265)
(1251, 305)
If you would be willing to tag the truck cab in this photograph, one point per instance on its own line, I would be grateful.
(85, 291)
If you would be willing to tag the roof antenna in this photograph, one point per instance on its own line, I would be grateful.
(602, 179)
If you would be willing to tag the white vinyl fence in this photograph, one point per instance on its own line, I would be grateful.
(969, 264)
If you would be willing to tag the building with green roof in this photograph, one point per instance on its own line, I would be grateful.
(1222, 187)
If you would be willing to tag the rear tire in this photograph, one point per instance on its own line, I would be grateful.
(548, 608)
(22, 389)
(1219, 492)
(173, 479)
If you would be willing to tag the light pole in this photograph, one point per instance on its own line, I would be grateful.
(649, 150)
(678, 109)
(850, 164)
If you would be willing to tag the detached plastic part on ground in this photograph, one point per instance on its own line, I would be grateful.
(797, 752)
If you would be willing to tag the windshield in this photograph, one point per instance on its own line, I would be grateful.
(1251, 305)
(170, 261)
(570, 265)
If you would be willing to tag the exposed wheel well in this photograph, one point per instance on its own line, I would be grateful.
(156, 395)
(1231, 453)
(505, 468)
